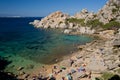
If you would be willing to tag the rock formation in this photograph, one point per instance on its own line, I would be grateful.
(110, 12)
(54, 20)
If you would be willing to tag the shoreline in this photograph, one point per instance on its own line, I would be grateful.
(83, 56)
(47, 69)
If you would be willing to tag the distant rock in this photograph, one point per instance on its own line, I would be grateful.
(82, 15)
(54, 20)
(109, 12)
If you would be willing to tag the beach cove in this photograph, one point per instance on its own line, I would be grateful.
(28, 48)
(84, 46)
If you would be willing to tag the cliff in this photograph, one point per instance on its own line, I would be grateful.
(84, 22)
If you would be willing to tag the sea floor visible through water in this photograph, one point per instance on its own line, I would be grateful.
(30, 48)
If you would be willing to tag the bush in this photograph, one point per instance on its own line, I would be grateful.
(107, 76)
(112, 25)
(94, 23)
(76, 21)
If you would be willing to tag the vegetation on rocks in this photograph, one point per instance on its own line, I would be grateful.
(94, 23)
(76, 21)
(108, 76)
(112, 25)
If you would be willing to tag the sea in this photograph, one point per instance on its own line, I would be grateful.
(26, 46)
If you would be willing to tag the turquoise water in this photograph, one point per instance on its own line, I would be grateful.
(25, 45)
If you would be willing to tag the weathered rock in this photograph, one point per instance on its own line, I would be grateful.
(67, 31)
(109, 12)
(62, 26)
(109, 34)
(82, 15)
(86, 30)
(116, 41)
(52, 20)
(111, 65)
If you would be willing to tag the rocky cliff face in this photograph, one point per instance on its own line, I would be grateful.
(110, 12)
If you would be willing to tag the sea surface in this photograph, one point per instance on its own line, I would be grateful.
(27, 46)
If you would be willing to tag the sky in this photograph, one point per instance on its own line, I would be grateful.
(40, 8)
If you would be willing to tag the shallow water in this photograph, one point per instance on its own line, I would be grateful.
(25, 45)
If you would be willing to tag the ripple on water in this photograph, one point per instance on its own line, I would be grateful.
(24, 45)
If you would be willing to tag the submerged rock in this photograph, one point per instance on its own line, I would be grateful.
(20, 68)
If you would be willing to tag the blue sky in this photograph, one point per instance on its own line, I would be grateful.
(45, 7)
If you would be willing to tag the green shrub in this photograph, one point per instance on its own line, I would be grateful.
(118, 70)
(94, 23)
(114, 10)
(76, 21)
(111, 25)
(107, 76)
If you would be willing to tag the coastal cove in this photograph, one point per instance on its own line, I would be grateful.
(30, 48)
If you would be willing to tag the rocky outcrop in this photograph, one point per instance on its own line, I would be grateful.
(85, 14)
(109, 34)
(86, 30)
(54, 20)
(116, 41)
(111, 11)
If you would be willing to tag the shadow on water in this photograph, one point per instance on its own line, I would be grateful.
(5, 75)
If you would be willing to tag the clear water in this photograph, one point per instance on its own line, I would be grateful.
(23, 44)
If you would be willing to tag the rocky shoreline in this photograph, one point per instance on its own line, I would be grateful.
(89, 62)
(93, 60)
